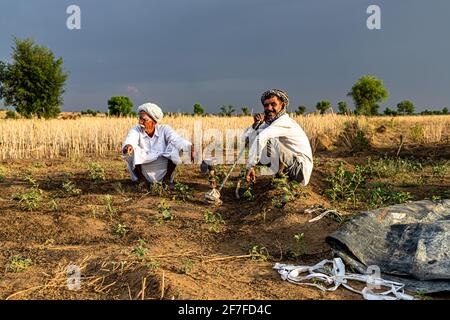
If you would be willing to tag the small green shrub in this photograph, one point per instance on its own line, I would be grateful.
(344, 184)
(121, 230)
(214, 220)
(182, 192)
(260, 253)
(382, 195)
(158, 189)
(422, 295)
(54, 205)
(31, 181)
(69, 188)
(389, 167)
(354, 138)
(96, 172)
(17, 264)
(289, 191)
(152, 265)
(30, 200)
(278, 202)
(440, 171)
(140, 251)
(164, 212)
(299, 247)
(109, 207)
(248, 195)
(187, 266)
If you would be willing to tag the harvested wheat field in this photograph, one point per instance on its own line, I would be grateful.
(66, 199)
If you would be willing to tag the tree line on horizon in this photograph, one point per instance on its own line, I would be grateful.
(34, 84)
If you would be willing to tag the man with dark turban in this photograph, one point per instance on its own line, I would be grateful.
(279, 137)
(152, 150)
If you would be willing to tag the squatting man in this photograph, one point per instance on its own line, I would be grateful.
(278, 139)
(153, 150)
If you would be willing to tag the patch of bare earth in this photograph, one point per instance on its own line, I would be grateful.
(156, 258)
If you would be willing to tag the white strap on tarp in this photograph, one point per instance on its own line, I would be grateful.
(332, 274)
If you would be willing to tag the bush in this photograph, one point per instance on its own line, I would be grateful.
(300, 110)
(10, 114)
(388, 167)
(382, 195)
(96, 172)
(120, 106)
(214, 220)
(90, 112)
(17, 264)
(30, 200)
(182, 192)
(354, 138)
(165, 213)
(344, 184)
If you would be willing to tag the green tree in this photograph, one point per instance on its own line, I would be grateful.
(343, 108)
(405, 107)
(389, 112)
(445, 110)
(198, 110)
(90, 112)
(34, 82)
(366, 92)
(374, 109)
(226, 111)
(300, 110)
(323, 106)
(120, 106)
(245, 111)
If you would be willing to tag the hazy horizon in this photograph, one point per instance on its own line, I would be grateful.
(218, 53)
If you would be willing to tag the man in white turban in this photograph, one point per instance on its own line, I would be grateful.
(152, 150)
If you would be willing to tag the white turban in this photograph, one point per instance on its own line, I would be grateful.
(152, 110)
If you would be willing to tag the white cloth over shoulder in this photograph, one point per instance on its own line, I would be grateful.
(154, 152)
(290, 135)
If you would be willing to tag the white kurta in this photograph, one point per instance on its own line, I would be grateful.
(153, 153)
(290, 135)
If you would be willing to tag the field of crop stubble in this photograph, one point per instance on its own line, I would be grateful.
(65, 199)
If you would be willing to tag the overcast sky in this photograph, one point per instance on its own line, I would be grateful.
(180, 52)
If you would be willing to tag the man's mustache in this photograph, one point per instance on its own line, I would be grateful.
(269, 112)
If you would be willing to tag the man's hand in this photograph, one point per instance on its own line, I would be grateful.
(251, 176)
(128, 149)
(257, 120)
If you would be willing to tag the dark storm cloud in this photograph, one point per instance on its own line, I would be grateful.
(178, 53)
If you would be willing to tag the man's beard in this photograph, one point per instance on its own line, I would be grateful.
(273, 116)
(270, 114)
